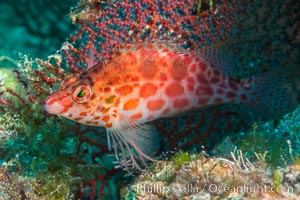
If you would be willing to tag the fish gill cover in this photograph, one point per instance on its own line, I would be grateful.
(66, 160)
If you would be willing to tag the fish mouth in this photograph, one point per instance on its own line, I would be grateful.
(51, 106)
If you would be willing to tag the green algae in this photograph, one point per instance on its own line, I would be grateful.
(181, 158)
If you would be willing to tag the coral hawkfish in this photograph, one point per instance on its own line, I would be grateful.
(144, 82)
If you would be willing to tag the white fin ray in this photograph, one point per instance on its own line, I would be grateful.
(140, 137)
(125, 150)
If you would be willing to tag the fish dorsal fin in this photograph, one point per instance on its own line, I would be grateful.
(136, 142)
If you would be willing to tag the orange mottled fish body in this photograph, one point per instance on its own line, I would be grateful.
(144, 82)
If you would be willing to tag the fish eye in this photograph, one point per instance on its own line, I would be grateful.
(82, 93)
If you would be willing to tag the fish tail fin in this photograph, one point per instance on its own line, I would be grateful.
(272, 94)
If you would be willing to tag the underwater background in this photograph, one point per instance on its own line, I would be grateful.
(224, 152)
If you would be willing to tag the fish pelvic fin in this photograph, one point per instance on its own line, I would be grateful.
(133, 145)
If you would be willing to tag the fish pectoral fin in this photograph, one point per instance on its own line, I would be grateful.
(135, 143)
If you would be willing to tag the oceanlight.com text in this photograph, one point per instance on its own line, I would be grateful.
(210, 188)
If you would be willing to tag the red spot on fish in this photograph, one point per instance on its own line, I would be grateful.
(181, 103)
(148, 68)
(165, 50)
(190, 80)
(131, 59)
(136, 117)
(166, 111)
(243, 97)
(208, 91)
(150, 46)
(193, 67)
(187, 60)
(216, 72)
(139, 47)
(160, 46)
(203, 101)
(190, 87)
(154, 105)
(202, 66)
(70, 115)
(204, 90)
(64, 110)
(86, 105)
(178, 70)
(218, 100)
(99, 108)
(174, 89)
(97, 118)
(163, 62)
(171, 55)
(222, 85)
(83, 114)
(220, 91)
(135, 79)
(124, 90)
(78, 118)
(93, 97)
(131, 104)
(233, 85)
(105, 110)
(148, 90)
(106, 118)
(127, 46)
(231, 95)
(50, 101)
(202, 79)
(150, 117)
(215, 80)
(118, 101)
(143, 51)
(107, 89)
(108, 125)
(208, 73)
(190, 84)
(163, 77)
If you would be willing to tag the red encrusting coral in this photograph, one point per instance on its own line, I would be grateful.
(109, 26)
